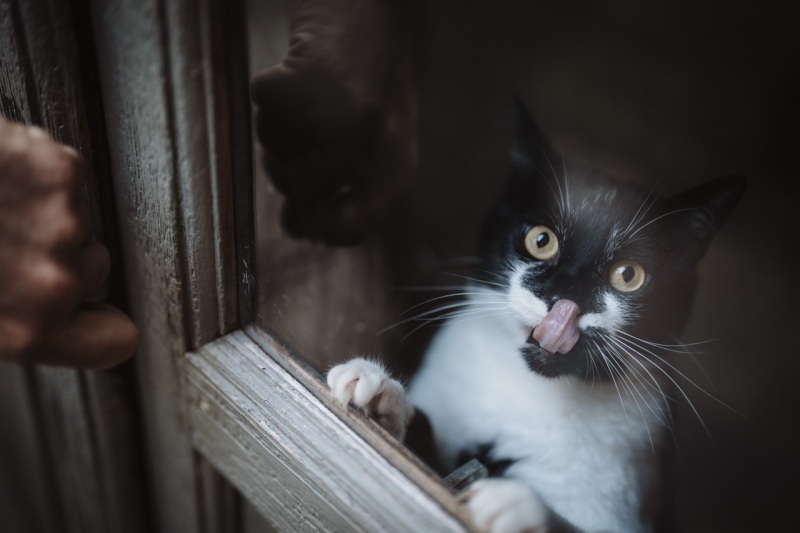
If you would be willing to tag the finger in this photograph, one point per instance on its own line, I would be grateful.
(53, 165)
(44, 290)
(98, 336)
(16, 338)
(93, 267)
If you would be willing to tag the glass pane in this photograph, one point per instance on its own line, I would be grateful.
(666, 96)
(326, 302)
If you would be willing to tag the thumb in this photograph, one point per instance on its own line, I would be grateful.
(97, 336)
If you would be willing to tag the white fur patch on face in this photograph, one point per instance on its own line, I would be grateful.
(530, 309)
(613, 316)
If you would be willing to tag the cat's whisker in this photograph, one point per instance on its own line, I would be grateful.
(615, 363)
(455, 305)
(433, 288)
(659, 416)
(432, 320)
(682, 374)
(640, 228)
(655, 383)
(631, 389)
(589, 367)
(668, 347)
(689, 353)
(667, 421)
(473, 316)
(498, 276)
(566, 184)
(477, 280)
(650, 387)
(459, 314)
(452, 295)
(692, 356)
(632, 345)
(604, 360)
(636, 350)
(639, 215)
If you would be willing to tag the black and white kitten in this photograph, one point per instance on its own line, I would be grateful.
(556, 371)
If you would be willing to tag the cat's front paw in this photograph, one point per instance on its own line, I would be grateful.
(368, 385)
(502, 505)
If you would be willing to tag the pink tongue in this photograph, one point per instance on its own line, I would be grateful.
(559, 332)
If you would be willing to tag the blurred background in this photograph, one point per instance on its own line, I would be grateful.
(667, 93)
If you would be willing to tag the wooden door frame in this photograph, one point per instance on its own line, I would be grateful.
(226, 410)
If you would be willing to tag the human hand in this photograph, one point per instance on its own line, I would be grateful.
(337, 118)
(48, 265)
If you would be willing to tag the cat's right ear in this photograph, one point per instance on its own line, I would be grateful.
(534, 161)
(530, 147)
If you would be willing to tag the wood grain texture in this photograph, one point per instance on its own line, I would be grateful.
(84, 451)
(133, 76)
(292, 459)
(26, 488)
(166, 122)
(167, 98)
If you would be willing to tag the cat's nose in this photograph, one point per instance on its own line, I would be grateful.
(574, 296)
(554, 298)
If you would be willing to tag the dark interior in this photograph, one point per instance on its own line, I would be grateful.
(658, 93)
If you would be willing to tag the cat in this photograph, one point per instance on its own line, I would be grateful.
(555, 372)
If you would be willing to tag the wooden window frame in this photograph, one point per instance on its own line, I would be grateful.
(173, 75)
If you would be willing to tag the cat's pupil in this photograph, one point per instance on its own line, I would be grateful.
(627, 274)
(542, 240)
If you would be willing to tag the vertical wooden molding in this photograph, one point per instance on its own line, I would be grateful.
(134, 79)
(166, 105)
(82, 422)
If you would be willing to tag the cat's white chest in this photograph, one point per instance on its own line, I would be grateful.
(573, 442)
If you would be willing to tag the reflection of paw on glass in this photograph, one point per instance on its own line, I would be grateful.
(337, 118)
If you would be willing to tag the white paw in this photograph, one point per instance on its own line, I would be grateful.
(368, 385)
(501, 505)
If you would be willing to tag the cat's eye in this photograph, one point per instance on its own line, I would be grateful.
(541, 243)
(627, 276)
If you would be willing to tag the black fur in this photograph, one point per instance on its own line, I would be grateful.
(676, 232)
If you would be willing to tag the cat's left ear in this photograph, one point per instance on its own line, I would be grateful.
(705, 208)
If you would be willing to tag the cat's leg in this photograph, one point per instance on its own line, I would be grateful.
(504, 505)
(368, 385)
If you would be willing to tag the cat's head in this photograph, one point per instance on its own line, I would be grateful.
(597, 272)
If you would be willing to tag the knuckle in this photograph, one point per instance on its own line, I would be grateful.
(65, 171)
(68, 231)
(38, 134)
(39, 159)
(58, 283)
(60, 228)
(17, 146)
(71, 153)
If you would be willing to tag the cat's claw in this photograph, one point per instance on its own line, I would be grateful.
(502, 505)
(369, 386)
